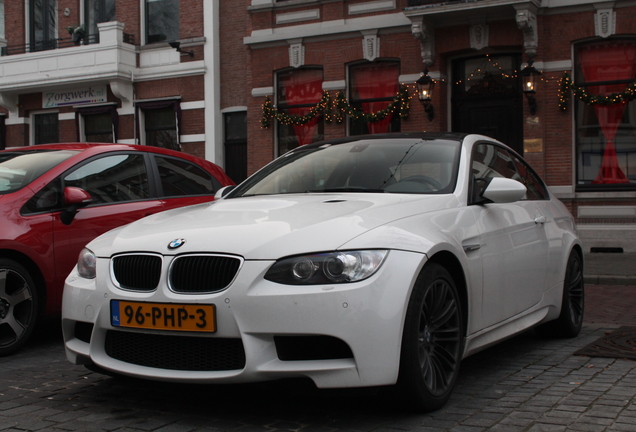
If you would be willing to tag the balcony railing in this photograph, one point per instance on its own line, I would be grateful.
(51, 44)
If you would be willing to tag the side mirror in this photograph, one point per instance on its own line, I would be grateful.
(223, 192)
(504, 190)
(74, 199)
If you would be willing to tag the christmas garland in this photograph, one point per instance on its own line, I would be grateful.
(565, 84)
(336, 110)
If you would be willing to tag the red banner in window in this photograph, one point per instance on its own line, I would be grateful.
(603, 63)
(303, 87)
(375, 81)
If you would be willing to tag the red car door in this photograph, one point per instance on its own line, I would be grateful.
(121, 193)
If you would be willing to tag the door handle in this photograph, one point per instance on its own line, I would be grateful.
(539, 220)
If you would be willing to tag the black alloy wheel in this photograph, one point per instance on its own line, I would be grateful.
(432, 341)
(18, 306)
(570, 321)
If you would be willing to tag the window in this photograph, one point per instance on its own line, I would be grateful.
(297, 92)
(372, 87)
(3, 132)
(98, 11)
(180, 178)
(43, 24)
(98, 124)
(162, 20)
(605, 134)
(160, 123)
(235, 132)
(111, 179)
(491, 161)
(1, 19)
(45, 128)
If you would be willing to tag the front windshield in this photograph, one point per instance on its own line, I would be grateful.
(412, 166)
(19, 168)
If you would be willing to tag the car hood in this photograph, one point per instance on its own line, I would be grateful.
(267, 227)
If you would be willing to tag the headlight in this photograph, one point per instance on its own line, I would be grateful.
(327, 268)
(86, 264)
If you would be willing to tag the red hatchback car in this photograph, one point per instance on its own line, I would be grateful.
(56, 198)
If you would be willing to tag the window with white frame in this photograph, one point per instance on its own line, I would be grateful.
(1, 19)
(372, 88)
(297, 92)
(605, 126)
(159, 122)
(43, 24)
(162, 20)
(98, 124)
(45, 127)
(98, 11)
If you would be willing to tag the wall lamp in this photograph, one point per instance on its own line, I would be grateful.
(425, 85)
(529, 78)
(177, 45)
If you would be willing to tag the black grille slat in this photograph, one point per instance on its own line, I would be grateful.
(202, 273)
(137, 272)
(173, 352)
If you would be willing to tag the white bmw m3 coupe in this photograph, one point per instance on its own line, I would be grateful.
(365, 261)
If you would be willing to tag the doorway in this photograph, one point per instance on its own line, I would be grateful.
(487, 98)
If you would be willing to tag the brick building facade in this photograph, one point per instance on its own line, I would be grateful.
(111, 70)
(581, 142)
(331, 68)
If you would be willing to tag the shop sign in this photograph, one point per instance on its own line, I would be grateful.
(77, 96)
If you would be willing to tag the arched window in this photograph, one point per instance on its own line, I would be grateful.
(606, 133)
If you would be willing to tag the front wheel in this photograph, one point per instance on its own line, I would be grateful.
(570, 321)
(432, 341)
(18, 306)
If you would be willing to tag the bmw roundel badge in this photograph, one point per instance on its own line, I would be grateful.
(176, 243)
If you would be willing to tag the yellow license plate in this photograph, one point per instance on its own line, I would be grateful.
(163, 316)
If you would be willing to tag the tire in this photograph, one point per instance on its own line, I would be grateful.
(570, 321)
(432, 341)
(18, 306)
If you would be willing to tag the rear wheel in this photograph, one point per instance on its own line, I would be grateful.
(18, 306)
(570, 321)
(432, 341)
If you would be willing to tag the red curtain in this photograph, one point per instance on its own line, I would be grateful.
(374, 81)
(302, 87)
(602, 63)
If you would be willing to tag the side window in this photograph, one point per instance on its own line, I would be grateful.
(491, 161)
(536, 189)
(112, 179)
(180, 177)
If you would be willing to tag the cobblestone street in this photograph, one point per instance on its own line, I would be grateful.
(524, 384)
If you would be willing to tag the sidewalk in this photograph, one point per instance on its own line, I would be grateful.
(610, 268)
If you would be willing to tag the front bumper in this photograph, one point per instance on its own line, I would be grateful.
(340, 335)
